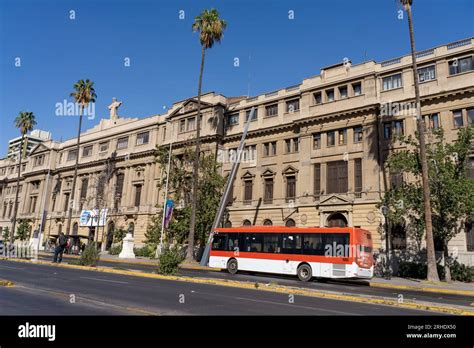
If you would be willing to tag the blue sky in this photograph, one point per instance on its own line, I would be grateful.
(274, 51)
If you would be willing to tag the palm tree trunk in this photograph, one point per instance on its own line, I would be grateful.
(192, 224)
(15, 208)
(431, 257)
(73, 191)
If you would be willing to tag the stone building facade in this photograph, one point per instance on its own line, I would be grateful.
(314, 153)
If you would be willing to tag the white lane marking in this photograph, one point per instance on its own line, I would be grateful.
(11, 267)
(104, 280)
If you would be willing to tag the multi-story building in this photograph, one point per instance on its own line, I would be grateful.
(314, 155)
(31, 140)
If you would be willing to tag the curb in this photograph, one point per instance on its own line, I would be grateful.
(423, 289)
(277, 288)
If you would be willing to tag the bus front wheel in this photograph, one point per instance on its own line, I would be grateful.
(232, 266)
(304, 272)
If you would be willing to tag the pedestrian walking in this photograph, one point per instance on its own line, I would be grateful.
(58, 251)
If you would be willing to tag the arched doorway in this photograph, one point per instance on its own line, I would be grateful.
(336, 220)
(110, 235)
(290, 223)
(267, 222)
(246, 223)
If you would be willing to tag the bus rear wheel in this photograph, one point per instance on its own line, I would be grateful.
(232, 266)
(304, 272)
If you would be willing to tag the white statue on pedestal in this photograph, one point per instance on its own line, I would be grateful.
(113, 108)
(127, 248)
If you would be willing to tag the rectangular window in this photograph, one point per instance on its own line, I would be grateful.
(247, 115)
(191, 124)
(138, 195)
(252, 242)
(290, 188)
(330, 95)
(331, 138)
(232, 242)
(292, 145)
(433, 121)
(269, 149)
(337, 177)
(313, 244)
(357, 88)
(342, 136)
(143, 138)
(268, 196)
(358, 134)
(66, 201)
(233, 119)
(460, 65)
(358, 175)
(85, 183)
(317, 180)
(427, 74)
(292, 105)
(33, 200)
(119, 188)
(316, 140)
(396, 179)
(343, 92)
(122, 143)
(387, 130)
(87, 151)
(271, 110)
(391, 82)
(318, 98)
(219, 242)
(291, 243)
(39, 160)
(458, 119)
(71, 155)
(182, 126)
(398, 128)
(103, 146)
(270, 243)
(248, 184)
(393, 129)
(470, 115)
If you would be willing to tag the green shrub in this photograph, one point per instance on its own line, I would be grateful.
(169, 260)
(416, 270)
(461, 272)
(145, 251)
(90, 256)
(115, 249)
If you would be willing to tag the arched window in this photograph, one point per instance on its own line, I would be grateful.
(267, 222)
(290, 223)
(246, 223)
(228, 224)
(75, 229)
(336, 220)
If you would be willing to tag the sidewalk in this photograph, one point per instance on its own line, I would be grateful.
(455, 288)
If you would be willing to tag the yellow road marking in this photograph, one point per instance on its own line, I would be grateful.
(6, 283)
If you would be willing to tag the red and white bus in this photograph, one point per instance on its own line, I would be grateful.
(339, 252)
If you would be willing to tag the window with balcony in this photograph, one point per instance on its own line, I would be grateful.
(143, 138)
(337, 177)
(271, 110)
(460, 65)
(427, 73)
(122, 143)
(87, 151)
(392, 82)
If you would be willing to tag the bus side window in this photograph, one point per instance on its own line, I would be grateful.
(233, 242)
(218, 242)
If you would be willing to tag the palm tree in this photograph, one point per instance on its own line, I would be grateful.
(211, 29)
(431, 257)
(83, 95)
(25, 122)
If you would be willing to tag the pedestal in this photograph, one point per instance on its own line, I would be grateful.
(127, 247)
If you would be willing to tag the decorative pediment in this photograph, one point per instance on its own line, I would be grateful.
(268, 173)
(248, 175)
(289, 170)
(189, 106)
(38, 148)
(335, 200)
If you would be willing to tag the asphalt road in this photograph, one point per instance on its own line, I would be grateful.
(43, 289)
(351, 287)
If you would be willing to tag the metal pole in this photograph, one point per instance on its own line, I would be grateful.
(224, 198)
(160, 247)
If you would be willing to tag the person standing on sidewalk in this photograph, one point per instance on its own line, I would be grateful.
(58, 252)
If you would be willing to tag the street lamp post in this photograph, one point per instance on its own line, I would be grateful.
(160, 247)
(387, 243)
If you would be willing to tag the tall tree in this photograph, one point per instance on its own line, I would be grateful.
(25, 122)
(83, 94)
(211, 29)
(430, 250)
